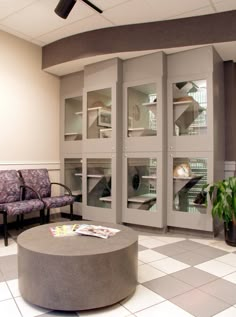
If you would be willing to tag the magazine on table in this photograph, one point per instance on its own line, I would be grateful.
(64, 230)
(96, 231)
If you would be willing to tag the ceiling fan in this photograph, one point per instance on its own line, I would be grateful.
(65, 6)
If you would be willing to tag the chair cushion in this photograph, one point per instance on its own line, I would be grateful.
(39, 180)
(22, 207)
(9, 186)
(58, 201)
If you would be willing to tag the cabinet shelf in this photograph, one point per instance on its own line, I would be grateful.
(76, 192)
(71, 133)
(78, 174)
(185, 183)
(141, 132)
(149, 177)
(142, 198)
(106, 198)
(147, 104)
(79, 113)
(95, 108)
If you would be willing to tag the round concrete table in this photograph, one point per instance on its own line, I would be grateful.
(78, 272)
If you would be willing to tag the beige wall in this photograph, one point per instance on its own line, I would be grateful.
(29, 110)
(29, 104)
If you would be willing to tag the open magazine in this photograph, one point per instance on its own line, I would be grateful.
(96, 231)
(83, 229)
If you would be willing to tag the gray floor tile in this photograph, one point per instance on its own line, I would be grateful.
(188, 245)
(141, 248)
(194, 276)
(8, 267)
(190, 258)
(199, 303)
(210, 252)
(222, 289)
(169, 249)
(167, 286)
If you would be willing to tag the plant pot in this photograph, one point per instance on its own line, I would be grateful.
(230, 234)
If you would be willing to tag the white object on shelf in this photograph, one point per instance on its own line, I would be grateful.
(106, 198)
(79, 112)
(142, 198)
(78, 174)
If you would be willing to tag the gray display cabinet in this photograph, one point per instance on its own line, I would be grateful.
(144, 117)
(195, 135)
(102, 143)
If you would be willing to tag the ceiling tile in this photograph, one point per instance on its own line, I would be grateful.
(133, 11)
(93, 22)
(224, 5)
(167, 9)
(8, 7)
(202, 11)
(39, 18)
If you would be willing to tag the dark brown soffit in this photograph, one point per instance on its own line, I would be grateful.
(211, 28)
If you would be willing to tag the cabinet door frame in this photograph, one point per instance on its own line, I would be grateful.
(104, 144)
(186, 142)
(145, 217)
(97, 213)
(78, 206)
(145, 143)
(70, 146)
(189, 220)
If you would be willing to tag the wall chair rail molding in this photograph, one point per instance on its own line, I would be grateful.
(145, 36)
(51, 166)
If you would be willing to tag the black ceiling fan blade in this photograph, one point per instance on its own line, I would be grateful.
(92, 6)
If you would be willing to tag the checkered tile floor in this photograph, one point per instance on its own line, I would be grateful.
(179, 275)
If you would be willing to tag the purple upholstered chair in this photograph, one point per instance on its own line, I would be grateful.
(39, 180)
(11, 203)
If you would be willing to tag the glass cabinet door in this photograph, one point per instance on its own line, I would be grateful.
(99, 182)
(99, 113)
(73, 119)
(142, 109)
(190, 108)
(189, 175)
(73, 177)
(141, 180)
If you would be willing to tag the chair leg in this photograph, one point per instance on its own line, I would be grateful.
(18, 222)
(48, 215)
(22, 221)
(5, 229)
(71, 212)
(42, 220)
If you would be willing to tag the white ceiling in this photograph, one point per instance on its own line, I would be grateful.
(36, 21)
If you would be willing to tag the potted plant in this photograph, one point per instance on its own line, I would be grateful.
(223, 198)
